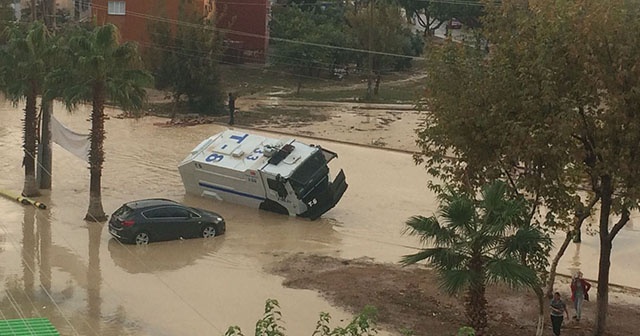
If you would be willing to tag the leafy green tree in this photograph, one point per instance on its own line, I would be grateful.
(381, 30)
(24, 63)
(432, 14)
(7, 15)
(308, 38)
(468, 12)
(185, 57)
(474, 243)
(553, 108)
(463, 122)
(364, 324)
(99, 69)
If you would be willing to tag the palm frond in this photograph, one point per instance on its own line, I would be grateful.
(459, 212)
(101, 67)
(439, 258)
(106, 37)
(411, 259)
(455, 281)
(428, 229)
(526, 241)
(509, 271)
(25, 60)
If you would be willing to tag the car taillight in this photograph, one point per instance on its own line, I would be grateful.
(127, 223)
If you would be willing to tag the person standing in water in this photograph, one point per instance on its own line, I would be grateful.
(579, 293)
(558, 310)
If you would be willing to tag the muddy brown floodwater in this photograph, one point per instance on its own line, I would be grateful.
(55, 265)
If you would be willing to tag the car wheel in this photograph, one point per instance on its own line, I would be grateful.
(209, 231)
(142, 238)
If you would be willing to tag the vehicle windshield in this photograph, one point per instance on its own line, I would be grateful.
(309, 172)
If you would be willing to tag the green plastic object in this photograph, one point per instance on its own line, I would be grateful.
(28, 327)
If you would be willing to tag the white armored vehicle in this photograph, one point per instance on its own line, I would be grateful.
(283, 176)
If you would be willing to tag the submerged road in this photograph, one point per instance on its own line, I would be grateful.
(55, 265)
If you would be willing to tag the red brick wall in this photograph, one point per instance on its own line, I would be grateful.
(246, 22)
(133, 25)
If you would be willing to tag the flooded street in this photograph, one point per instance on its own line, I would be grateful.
(54, 264)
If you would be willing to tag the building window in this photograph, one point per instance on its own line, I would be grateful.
(116, 8)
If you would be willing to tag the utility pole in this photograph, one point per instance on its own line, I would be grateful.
(370, 60)
(44, 167)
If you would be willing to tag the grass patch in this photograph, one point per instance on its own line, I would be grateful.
(261, 80)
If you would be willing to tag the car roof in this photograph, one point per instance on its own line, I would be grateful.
(150, 202)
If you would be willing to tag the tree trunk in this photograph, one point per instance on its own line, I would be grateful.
(605, 256)
(377, 87)
(477, 308)
(581, 215)
(44, 157)
(541, 305)
(554, 263)
(96, 157)
(30, 125)
(476, 303)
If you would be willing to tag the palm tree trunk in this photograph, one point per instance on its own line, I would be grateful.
(44, 170)
(477, 308)
(30, 187)
(96, 157)
(476, 305)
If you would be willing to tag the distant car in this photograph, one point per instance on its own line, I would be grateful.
(156, 219)
(454, 24)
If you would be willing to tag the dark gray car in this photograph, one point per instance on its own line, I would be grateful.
(156, 219)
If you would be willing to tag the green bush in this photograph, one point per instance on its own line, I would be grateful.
(364, 324)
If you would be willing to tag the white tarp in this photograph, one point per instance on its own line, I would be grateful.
(76, 143)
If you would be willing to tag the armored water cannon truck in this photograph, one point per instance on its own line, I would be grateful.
(283, 176)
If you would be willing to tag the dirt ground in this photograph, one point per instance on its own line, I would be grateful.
(379, 125)
(407, 299)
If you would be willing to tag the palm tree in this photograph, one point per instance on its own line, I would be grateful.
(100, 69)
(470, 243)
(24, 63)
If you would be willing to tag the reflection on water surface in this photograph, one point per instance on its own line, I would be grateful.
(53, 264)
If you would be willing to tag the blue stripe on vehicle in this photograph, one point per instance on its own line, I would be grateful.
(207, 185)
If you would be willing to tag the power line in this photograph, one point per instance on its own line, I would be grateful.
(260, 36)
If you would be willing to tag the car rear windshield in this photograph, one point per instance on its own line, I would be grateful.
(123, 212)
